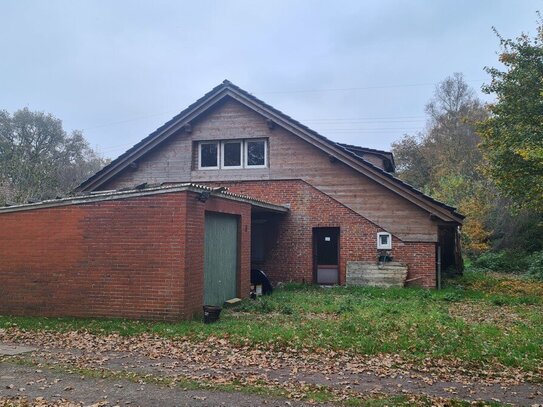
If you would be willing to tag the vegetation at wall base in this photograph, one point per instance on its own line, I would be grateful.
(482, 317)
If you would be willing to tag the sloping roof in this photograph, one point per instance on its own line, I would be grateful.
(350, 155)
(143, 190)
(388, 157)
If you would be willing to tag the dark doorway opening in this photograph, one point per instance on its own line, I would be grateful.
(451, 255)
(326, 255)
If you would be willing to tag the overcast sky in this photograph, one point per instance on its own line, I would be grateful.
(359, 72)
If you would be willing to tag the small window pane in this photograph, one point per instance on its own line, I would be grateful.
(208, 155)
(256, 152)
(232, 154)
(384, 239)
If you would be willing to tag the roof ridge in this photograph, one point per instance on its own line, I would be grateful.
(226, 84)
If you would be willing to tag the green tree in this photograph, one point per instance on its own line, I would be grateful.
(443, 160)
(38, 159)
(512, 137)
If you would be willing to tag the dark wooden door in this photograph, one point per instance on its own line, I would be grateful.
(220, 258)
(326, 255)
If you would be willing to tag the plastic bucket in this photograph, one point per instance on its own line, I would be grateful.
(211, 313)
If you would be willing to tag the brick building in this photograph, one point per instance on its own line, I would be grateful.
(296, 204)
(133, 254)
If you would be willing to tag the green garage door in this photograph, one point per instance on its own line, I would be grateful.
(220, 258)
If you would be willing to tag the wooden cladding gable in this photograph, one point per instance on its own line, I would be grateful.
(289, 157)
(348, 154)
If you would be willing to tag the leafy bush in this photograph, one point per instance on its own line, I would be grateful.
(505, 262)
(264, 305)
(498, 301)
(261, 305)
(286, 310)
(346, 306)
(452, 297)
(535, 268)
(426, 294)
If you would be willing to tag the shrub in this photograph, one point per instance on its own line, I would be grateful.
(264, 305)
(345, 307)
(425, 294)
(499, 301)
(535, 268)
(505, 262)
(452, 297)
(286, 310)
(261, 305)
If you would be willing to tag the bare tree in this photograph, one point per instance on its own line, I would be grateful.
(443, 160)
(448, 145)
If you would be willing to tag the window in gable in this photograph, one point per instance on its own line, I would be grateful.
(231, 154)
(255, 151)
(208, 155)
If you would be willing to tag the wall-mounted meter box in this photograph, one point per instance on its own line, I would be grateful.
(384, 241)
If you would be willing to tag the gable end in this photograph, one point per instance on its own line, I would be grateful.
(348, 154)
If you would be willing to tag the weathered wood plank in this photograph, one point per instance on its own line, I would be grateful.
(289, 157)
(379, 275)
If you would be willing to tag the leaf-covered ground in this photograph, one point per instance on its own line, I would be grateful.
(480, 318)
(480, 338)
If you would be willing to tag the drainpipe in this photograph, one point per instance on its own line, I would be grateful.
(439, 267)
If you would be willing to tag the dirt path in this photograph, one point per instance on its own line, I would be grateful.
(294, 371)
(54, 386)
(365, 382)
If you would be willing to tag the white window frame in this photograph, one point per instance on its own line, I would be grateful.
(200, 144)
(381, 246)
(241, 149)
(246, 152)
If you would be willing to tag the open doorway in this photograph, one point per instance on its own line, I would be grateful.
(326, 255)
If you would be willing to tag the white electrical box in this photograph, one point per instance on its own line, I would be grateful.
(384, 241)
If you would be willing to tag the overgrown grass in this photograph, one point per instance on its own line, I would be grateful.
(416, 323)
(529, 265)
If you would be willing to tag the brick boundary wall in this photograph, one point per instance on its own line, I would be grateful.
(291, 254)
(138, 257)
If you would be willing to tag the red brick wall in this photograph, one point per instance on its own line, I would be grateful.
(195, 229)
(291, 254)
(421, 260)
(135, 258)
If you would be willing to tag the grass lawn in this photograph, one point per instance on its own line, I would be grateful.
(477, 318)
